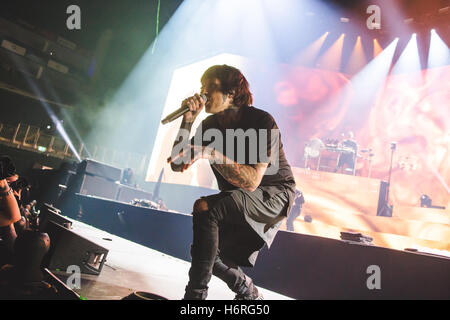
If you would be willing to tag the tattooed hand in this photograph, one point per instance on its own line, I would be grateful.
(196, 152)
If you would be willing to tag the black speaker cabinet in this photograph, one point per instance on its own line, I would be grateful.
(68, 248)
(90, 185)
(92, 167)
(98, 186)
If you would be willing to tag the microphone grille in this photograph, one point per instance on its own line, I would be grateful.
(204, 97)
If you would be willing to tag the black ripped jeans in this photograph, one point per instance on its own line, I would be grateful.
(222, 239)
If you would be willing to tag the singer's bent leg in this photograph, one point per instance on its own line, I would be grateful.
(230, 273)
(207, 216)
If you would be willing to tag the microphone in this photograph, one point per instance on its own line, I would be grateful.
(179, 112)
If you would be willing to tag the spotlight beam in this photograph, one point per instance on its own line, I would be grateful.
(439, 52)
(357, 58)
(409, 60)
(331, 59)
(377, 49)
(366, 83)
(51, 114)
(308, 56)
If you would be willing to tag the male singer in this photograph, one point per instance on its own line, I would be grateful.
(231, 227)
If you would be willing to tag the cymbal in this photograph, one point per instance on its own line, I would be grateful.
(314, 147)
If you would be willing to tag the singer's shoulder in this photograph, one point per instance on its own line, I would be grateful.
(251, 110)
(260, 116)
(209, 121)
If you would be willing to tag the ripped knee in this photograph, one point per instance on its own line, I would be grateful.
(200, 205)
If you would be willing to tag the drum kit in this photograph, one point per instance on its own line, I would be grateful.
(315, 148)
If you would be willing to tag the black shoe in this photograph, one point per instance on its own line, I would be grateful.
(195, 294)
(249, 291)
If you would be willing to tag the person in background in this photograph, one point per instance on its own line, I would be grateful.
(347, 159)
(295, 211)
(128, 178)
(9, 209)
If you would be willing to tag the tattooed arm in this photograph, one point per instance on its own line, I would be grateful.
(245, 176)
(195, 104)
(180, 142)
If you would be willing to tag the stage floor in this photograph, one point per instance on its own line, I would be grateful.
(132, 267)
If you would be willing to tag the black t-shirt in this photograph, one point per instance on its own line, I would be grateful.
(261, 143)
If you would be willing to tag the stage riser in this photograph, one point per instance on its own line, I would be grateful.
(311, 267)
(166, 232)
(299, 266)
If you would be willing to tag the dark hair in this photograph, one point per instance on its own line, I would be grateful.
(232, 82)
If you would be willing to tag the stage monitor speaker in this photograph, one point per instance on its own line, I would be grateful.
(68, 248)
(127, 194)
(50, 213)
(95, 168)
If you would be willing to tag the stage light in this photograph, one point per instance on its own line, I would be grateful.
(409, 60)
(438, 54)
(377, 49)
(367, 83)
(331, 59)
(378, 68)
(357, 59)
(345, 20)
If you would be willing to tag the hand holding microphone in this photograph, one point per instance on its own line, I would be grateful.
(190, 108)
